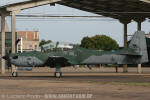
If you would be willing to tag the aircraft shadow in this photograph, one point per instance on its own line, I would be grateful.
(83, 78)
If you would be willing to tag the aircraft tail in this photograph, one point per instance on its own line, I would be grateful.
(138, 43)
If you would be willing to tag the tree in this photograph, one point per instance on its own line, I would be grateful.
(99, 42)
(87, 42)
(43, 42)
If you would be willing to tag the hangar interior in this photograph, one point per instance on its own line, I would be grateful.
(123, 10)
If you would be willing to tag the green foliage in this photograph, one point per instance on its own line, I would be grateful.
(99, 42)
(42, 42)
(87, 42)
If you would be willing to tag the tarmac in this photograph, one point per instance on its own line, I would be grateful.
(76, 84)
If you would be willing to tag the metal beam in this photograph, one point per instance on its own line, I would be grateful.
(147, 1)
(31, 4)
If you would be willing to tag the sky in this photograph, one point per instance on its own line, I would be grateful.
(72, 29)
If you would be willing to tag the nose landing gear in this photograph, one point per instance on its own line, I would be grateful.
(15, 73)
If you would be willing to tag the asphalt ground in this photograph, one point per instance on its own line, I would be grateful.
(76, 84)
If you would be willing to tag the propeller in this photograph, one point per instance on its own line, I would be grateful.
(7, 58)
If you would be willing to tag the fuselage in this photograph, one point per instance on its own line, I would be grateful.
(28, 59)
(78, 56)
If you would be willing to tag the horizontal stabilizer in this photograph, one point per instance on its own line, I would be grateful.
(128, 51)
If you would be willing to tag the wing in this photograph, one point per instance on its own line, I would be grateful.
(60, 61)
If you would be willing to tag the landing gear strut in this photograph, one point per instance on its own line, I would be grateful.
(58, 72)
(15, 73)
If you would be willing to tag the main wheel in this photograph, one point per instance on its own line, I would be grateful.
(58, 74)
(15, 74)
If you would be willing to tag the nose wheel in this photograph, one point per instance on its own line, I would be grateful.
(14, 74)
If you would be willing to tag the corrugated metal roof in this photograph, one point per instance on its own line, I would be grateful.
(118, 9)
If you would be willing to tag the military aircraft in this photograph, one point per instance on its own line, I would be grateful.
(136, 53)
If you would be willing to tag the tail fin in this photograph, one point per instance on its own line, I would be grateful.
(138, 43)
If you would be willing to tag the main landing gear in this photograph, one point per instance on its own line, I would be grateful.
(58, 72)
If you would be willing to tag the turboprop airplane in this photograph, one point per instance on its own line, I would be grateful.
(136, 53)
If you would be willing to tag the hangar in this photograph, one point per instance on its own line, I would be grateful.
(123, 10)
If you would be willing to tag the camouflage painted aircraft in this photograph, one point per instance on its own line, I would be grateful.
(136, 53)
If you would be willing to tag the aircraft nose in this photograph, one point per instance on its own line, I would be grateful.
(5, 57)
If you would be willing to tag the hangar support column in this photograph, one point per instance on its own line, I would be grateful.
(3, 15)
(13, 29)
(125, 35)
(139, 26)
(139, 21)
(125, 23)
(125, 67)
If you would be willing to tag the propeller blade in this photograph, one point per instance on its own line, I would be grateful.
(7, 58)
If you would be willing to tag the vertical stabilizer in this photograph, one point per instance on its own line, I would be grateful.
(138, 43)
